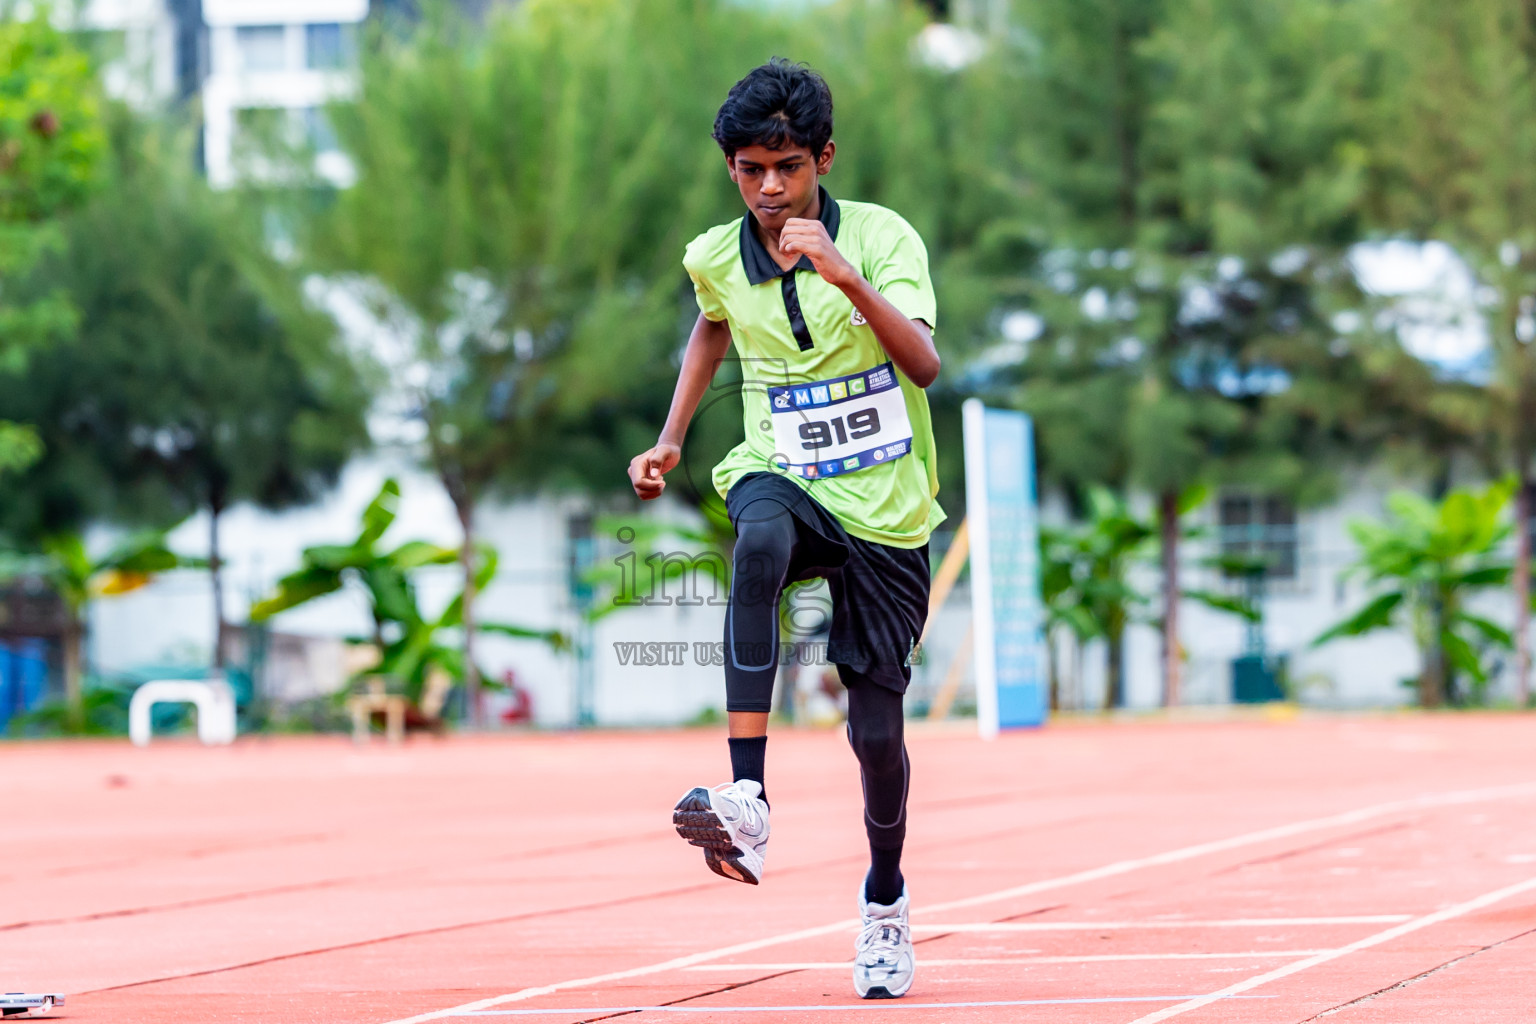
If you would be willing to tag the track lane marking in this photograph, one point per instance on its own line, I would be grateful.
(1424, 802)
(1103, 926)
(1100, 958)
(1175, 856)
(874, 1004)
(1488, 899)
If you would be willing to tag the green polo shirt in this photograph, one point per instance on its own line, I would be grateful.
(799, 338)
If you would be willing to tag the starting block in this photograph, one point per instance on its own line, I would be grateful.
(19, 1004)
(215, 702)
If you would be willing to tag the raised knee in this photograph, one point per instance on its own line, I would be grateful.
(877, 747)
(761, 559)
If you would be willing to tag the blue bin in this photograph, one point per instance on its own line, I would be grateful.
(23, 677)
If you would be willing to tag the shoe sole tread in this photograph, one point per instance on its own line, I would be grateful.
(697, 823)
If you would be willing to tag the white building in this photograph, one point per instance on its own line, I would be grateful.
(143, 43)
(258, 70)
(273, 65)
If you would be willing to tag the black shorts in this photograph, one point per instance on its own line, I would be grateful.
(879, 592)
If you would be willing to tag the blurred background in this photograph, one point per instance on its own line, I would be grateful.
(328, 328)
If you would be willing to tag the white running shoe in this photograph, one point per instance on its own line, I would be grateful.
(730, 822)
(884, 962)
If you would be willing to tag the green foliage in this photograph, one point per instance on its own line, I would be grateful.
(411, 644)
(525, 191)
(51, 143)
(63, 562)
(51, 137)
(1200, 171)
(19, 447)
(198, 376)
(1456, 159)
(1086, 582)
(103, 711)
(1424, 563)
(1085, 577)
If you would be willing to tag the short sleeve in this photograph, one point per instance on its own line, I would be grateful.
(896, 263)
(709, 302)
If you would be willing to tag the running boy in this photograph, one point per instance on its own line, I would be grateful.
(831, 311)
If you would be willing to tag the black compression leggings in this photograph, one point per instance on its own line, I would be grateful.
(765, 541)
(875, 733)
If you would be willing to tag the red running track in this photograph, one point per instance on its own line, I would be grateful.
(1353, 869)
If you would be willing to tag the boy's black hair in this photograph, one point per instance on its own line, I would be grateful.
(778, 104)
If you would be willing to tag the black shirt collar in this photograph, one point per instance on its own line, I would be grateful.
(760, 266)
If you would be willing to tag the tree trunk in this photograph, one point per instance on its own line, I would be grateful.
(1523, 588)
(1172, 654)
(1053, 668)
(216, 570)
(1433, 679)
(1114, 674)
(1077, 674)
(74, 673)
(466, 509)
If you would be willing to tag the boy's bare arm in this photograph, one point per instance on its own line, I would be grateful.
(909, 343)
(707, 345)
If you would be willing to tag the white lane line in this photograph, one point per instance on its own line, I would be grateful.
(1101, 958)
(1107, 926)
(1478, 903)
(1419, 803)
(876, 1004)
(1185, 853)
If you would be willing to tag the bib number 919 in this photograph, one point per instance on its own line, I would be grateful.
(816, 434)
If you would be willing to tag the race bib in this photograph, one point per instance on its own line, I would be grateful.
(841, 425)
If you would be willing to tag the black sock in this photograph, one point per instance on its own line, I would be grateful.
(748, 756)
(884, 884)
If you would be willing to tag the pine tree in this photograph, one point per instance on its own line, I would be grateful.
(1459, 162)
(199, 376)
(1195, 166)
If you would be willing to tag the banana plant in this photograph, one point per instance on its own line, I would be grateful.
(63, 562)
(1425, 562)
(410, 644)
(1086, 580)
(655, 554)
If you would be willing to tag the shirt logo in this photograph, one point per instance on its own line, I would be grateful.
(781, 400)
(878, 455)
(802, 396)
(810, 470)
(857, 319)
(852, 463)
(838, 390)
(856, 386)
(819, 394)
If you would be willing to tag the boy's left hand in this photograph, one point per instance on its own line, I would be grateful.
(809, 238)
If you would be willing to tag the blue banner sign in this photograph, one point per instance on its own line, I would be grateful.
(1012, 689)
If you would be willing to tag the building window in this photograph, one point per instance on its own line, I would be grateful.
(329, 47)
(1259, 531)
(262, 47)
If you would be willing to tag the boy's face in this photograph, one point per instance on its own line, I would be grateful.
(777, 184)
